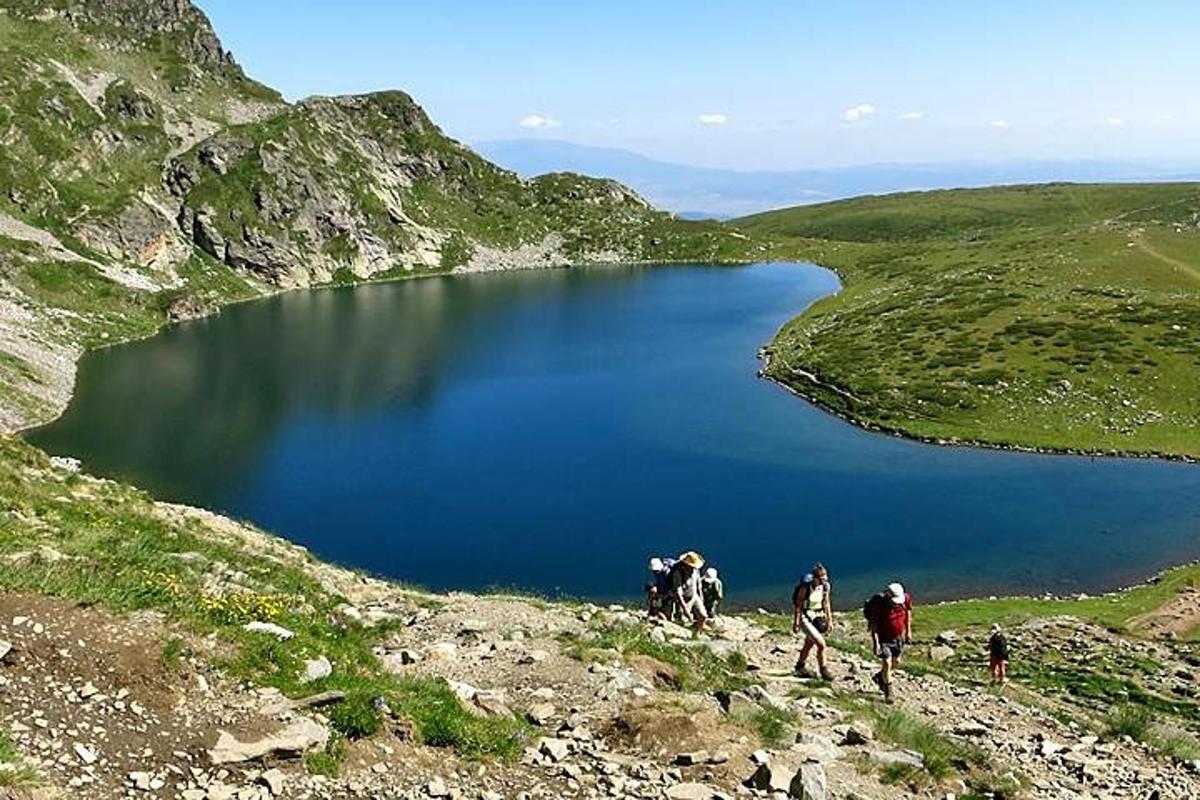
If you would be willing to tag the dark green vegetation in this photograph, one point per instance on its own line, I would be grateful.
(125, 553)
(1056, 316)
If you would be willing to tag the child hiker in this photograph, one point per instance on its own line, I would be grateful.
(998, 656)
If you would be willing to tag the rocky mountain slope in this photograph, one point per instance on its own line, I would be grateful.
(144, 177)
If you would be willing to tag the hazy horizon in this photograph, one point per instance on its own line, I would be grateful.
(786, 87)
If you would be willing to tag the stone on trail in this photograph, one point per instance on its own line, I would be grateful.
(763, 697)
(257, 626)
(907, 758)
(87, 755)
(809, 783)
(854, 734)
(814, 747)
(940, 652)
(736, 704)
(554, 749)
(771, 777)
(691, 791)
(479, 702)
(5, 649)
(541, 713)
(972, 729)
(273, 780)
(295, 739)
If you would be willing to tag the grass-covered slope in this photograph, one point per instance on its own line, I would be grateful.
(1055, 316)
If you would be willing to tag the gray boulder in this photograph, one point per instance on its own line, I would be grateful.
(809, 783)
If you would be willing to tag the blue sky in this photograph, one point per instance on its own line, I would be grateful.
(768, 84)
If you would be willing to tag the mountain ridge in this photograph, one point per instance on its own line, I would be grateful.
(146, 178)
(727, 193)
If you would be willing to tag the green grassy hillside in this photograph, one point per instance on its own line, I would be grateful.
(1056, 316)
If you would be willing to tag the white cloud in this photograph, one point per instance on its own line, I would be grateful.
(538, 121)
(858, 113)
(1114, 122)
(912, 115)
(1164, 119)
(713, 119)
(1000, 123)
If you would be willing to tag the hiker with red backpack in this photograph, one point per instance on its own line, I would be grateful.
(812, 615)
(889, 618)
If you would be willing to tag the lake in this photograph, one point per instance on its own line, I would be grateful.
(551, 430)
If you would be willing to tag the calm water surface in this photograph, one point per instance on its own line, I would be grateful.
(551, 430)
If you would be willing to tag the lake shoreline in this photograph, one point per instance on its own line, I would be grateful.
(975, 444)
(765, 356)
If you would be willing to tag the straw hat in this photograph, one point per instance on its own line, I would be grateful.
(692, 559)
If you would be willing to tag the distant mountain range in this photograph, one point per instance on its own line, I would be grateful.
(692, 191)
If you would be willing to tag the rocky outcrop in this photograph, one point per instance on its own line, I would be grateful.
(135, 22)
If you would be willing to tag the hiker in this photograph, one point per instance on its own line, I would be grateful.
(713, 591)
(812, 615)
(658, 588)
(998, 656)
(889, 618)
(686, 591)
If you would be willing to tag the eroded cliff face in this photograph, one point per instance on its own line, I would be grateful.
(144, 177)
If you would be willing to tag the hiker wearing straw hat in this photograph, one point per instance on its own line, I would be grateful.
(687, 591)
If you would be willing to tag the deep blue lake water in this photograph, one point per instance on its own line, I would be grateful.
(551, 430)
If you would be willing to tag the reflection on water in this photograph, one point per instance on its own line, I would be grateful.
(550, 430)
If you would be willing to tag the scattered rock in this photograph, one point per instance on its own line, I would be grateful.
(273, 780)
(771, 777)
(541, 713)
(809, 783)
(554, 749)
(940, 653)
(691, 791)
(315, 669)
(268, 627)
(295, 739)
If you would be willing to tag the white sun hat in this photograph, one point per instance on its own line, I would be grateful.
(896, 592)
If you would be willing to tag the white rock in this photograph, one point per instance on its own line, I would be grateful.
(268, 627)
(315, 669)
(809, 783)
(273, 780)
(87, 755)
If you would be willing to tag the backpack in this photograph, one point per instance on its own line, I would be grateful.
(804, 583)
(874, 608)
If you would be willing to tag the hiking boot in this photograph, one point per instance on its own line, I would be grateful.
(826, 675)
(803, 671)
(878, 679)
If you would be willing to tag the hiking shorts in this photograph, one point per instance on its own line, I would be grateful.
(695, 607)
(891, 649)
(810, 629)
